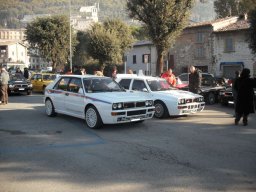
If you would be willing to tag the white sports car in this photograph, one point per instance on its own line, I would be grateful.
(168, 101)
(98, 100)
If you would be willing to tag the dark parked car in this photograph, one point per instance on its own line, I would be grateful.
(226, 97)
(211, 86)
(19, 84)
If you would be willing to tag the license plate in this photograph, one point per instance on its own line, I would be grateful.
(135, 119)
(21, 89)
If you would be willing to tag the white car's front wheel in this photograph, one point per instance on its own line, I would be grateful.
(160, 110)
(49, 108)
(92, 118)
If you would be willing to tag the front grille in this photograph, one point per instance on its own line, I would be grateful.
(189, 100)
(140, 104)
(128, 105)
(139, 112)
(21, 86)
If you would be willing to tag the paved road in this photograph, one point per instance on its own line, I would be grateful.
(203, 152)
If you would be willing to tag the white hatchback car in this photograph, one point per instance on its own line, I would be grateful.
(98, 100)
(168, 101)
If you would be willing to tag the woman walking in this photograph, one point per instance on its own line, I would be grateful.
(244, 104)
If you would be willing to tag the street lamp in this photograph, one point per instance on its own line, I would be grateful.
(70, 37)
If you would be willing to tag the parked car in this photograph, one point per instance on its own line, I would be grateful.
(168, 101)
(19, 84)
(41, 80)
(226, 97)
(98, 100)
(211, 86)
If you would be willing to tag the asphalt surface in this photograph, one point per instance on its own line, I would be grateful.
(202, 152)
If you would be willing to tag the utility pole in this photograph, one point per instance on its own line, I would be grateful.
(70, 37)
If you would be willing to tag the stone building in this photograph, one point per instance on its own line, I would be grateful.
(219, 47)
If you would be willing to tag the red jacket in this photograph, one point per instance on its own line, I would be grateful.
(171, 79)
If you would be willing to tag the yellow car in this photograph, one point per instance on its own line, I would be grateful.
(41, 80)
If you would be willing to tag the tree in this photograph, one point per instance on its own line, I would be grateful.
(108, 42)
(225, 8)
(252, 38)
(139, 33)
(164, 21)
(50, 36)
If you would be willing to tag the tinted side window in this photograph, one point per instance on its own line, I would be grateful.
(74, 85)
(39, 76)
(207, 80)
(125, 83)
(138, 85)
(184, 77)
(62, 84)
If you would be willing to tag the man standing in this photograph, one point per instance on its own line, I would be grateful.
(4, 86)
(195, 78)
(170, 77)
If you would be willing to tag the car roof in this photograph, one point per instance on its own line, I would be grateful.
(83, 76)
(201, 73)
(135, 76)
(44, 74)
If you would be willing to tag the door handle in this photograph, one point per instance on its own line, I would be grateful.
(67, 94)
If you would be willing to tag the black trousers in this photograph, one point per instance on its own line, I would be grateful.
(240, 115)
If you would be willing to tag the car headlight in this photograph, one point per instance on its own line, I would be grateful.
(182, 101)
(149, 103)
(11, 86)
(117, 106)
(30, 85)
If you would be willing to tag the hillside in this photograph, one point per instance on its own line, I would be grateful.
(12, 11)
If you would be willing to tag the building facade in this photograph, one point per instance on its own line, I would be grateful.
(219, 47)
(142, 57)
(231, 52)
(13, 54)
(12, 34)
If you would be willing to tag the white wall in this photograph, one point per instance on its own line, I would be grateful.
(139, 51)
(242, 52)
(17, 53)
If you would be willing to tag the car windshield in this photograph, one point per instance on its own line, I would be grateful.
(17, 77)
(159, 85)
(49, 77)
(93, 85)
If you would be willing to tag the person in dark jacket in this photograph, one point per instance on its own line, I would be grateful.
(195, 78)
(234, 91)
(245, 93)
(26, 73)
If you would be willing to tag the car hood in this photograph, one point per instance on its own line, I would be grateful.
(119, 96)
(176, 94)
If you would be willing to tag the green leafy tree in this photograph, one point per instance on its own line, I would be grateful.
(248, 5)
(139, 33)
(225, 8)
(51, 37)
(164, 21)
(80, 55)
(252, 38)
(108, 42)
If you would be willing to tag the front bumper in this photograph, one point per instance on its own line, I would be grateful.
(19, 89)
(190, 108)
(133, 115)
